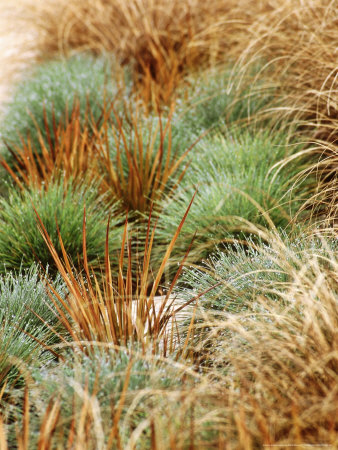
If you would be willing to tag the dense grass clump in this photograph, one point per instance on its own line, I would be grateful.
(283, 357)
(235, 185)
(51, 89)
(61, 208)
(114, 391)
(161, 41)
(26, 315)
(236, 275)
(303, 39)
(214, 99)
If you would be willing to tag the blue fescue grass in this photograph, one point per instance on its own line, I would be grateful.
(23, 297)
(231, 172)
(214, 99)
(124, 384)
(241, 274)
(53, 86)
(61, 208)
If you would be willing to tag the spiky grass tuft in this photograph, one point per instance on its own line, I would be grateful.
(60, 208)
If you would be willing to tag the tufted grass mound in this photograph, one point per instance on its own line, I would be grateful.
(53, 87)
(26, 315)
(61, 208)
(237, 185)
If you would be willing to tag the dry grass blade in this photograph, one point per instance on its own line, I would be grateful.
(68, 153)
(3, 440)
(108, 310)
(299, 43)
(162, 41)
(48, 425)
(143, 169)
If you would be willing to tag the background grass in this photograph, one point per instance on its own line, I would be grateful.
(54, 86)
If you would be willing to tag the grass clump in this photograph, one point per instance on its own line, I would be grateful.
(51, 88)
(100, 399)
(237, 274)
(302, 39)
(138, 161)
(26, 315)
(71, 157)
(213, 99)
(235, 187)
(116, 309)
(61, 208)
(161, 41)
(134, 158)
(283, 358)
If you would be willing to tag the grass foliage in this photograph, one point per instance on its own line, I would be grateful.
(21, 244)
(49, 90)
(236, 187)
(26, 317)
(222, 147)
(161, 41)
(115, 310)
(212, 100)
(236, 275)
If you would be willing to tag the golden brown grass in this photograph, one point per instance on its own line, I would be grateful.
(161, 40)
(282, 357)
(298, 42)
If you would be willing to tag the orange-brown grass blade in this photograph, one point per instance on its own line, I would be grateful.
(151, 173)
(68, 153)
(169, 250)
(111, 311)
(48, 425)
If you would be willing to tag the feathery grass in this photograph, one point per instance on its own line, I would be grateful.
(299, 43)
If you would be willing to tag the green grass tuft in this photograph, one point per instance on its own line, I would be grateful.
(235, 186)
(21, 243)
(54, 86)
(22, 297)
